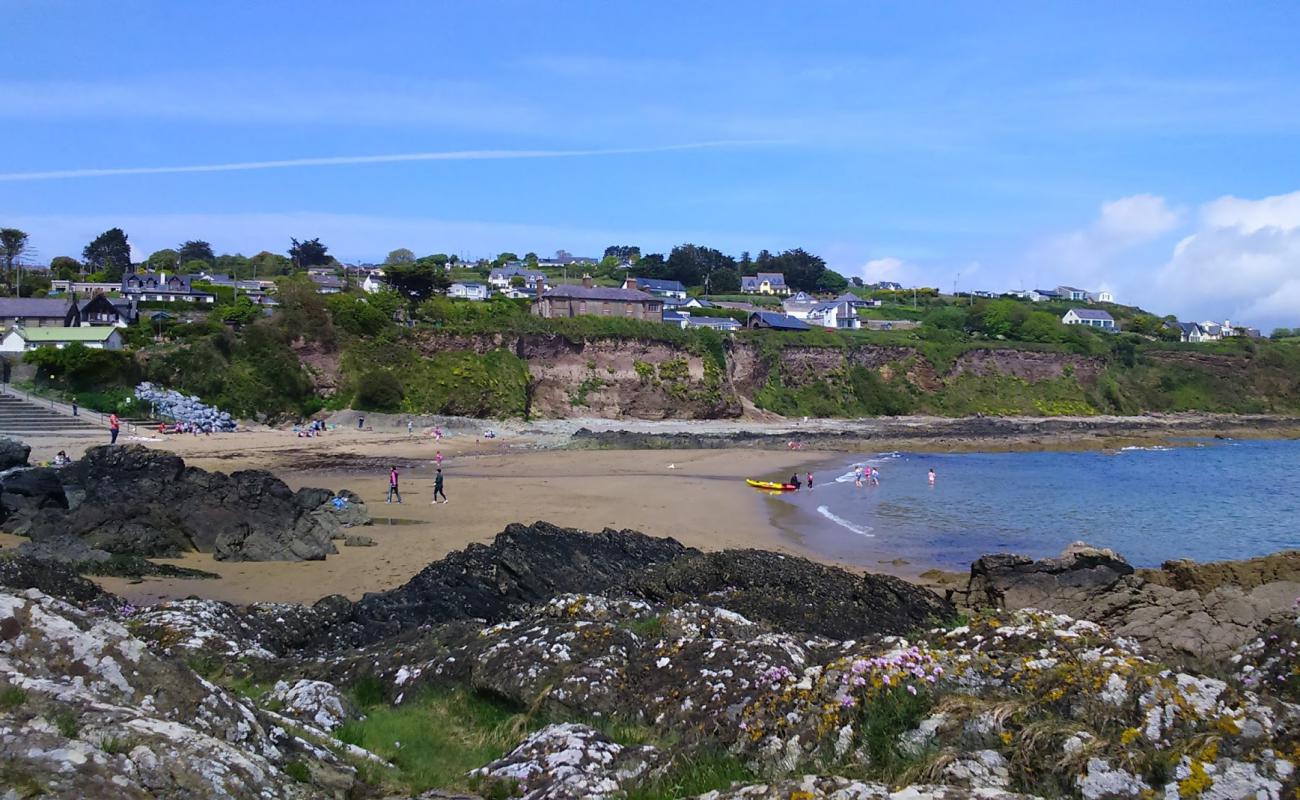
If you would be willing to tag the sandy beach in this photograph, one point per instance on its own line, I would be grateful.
(525, 474)
(697, 497)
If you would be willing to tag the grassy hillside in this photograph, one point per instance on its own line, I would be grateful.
(999, 357)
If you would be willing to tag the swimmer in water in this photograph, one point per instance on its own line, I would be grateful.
(931, 476)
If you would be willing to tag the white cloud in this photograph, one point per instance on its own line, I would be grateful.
(1120, 225)
(1243, 262)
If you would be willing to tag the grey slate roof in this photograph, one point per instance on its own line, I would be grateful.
(33, 307)
(781, 321)
(1092, 313)
(656, 285)
(579, 292)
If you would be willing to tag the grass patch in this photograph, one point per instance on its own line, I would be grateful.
(298, 771)
(886, 718)
(12, 697)
(67, 724)
(114, 745)
(647, 627)
(435, 739)
(695, 773)
(22, 783)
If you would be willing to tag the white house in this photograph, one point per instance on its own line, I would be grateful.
(20, 340)
(1191, 332)
(501, 277)
(836, 314)
(1092, 317)
(1102, 296)
(677, 318)
(1071, 293)
(374, 282)
(799, 306)
(468, 291)
(1041, 295)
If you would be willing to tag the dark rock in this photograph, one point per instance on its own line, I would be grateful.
(524, 564)
(52, 578)
(65, 549)
(1011, 581)
(13, 453)
(355, 540)
(794, 594)
(130, 500)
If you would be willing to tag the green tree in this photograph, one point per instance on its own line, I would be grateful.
(379, 390)
(504, 258)
(196, 250)
(802, 270)
(724, 281)
(692, 264)
(109, 253)
(832, 281)
(303, 312)
(235, 265)
(267, 265)
(417, 282)
(13, 243)
(530, 260)
(65, 268)
(948, 318)
(1282, 333)
(242, 312)
(308, 253)
(165, 259)
(1002, 318)
(399, 256)
(194, 267)
(1042, 326)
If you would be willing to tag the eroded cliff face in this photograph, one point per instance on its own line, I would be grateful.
(625, 378)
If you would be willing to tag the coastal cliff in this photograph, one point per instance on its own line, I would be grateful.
(555, 376)
(561, 664)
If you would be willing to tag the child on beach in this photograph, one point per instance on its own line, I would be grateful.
(875, 477)
(437, 458)
(810, 481)
(857, 475)
(392, 487)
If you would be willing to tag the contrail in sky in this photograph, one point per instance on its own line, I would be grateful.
(334, 161)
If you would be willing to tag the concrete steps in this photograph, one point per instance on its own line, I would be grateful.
(20, 416)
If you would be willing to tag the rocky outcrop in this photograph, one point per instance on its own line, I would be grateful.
(13, 453)
(132, 501)
(54, 579)
(794, 594)
(1182, 609)
(88, 710)
(565, 761)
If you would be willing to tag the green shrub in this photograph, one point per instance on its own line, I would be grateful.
(379, 390)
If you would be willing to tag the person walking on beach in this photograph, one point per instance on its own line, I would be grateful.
(857, 475)
(437, 458)
(392, 486)
(794, 479)
(932, 476)
(361, 423)
(437, 488)
(810, 481)
(410, 427)
(113, 427)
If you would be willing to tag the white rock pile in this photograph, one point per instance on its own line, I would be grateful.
(184, 408)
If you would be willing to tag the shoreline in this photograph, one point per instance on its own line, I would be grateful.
(541, 471)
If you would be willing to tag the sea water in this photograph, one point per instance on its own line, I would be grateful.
(1206, 500)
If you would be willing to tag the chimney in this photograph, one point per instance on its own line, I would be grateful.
(541, 286)
(587, 282)
(631, 282)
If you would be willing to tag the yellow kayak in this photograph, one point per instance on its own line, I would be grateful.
(771, 486)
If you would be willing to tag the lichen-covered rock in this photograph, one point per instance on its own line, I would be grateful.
(91, 711)
(316, 702)
(1182, 609)
(561, 762)
(819, 787)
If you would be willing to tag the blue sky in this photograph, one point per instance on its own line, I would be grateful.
(1147, 148)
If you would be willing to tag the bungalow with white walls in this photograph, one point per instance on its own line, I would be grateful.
(1071, 293)
(468, 291)
(21, 340)
(503, 277)
(1092, 317)
(374, 282)
(1102, 296)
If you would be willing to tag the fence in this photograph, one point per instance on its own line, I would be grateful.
(66, 409)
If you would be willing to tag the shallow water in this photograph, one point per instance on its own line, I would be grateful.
(1207, 501)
